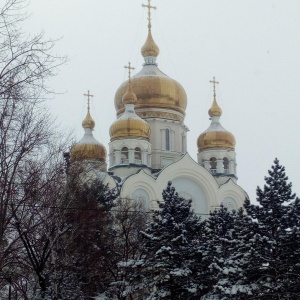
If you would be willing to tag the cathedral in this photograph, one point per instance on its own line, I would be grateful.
(148, 143)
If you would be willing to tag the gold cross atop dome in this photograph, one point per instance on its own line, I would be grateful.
(149, 12)
(215, 110)
(129, 97)
(129, 70)
(88, 122)
(88, 95)
(214, 82)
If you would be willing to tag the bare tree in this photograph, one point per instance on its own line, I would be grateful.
(124, 246)
(29, 144)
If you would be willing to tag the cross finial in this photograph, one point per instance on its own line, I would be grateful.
(129, 67)
(88, 95)
(214, 82)
(149, 12)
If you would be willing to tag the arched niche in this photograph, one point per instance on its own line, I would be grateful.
(230, 203)
(142, 196)
(188, 188)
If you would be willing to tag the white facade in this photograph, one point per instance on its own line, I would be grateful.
(169, 141)
(191, 181)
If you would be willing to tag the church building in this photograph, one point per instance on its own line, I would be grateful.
(148, 143)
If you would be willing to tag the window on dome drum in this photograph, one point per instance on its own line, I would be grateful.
(124, 155)
(226, 165)
(168, 139)
(213, 165)
(137, 155)
(183, 150)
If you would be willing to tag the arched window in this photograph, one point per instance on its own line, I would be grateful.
(168, 139)
(124, 155)
(138, 155)
(183, 144)
(213, 165)
(226, 165)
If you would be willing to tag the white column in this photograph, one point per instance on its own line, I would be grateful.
(144, 158)
(207, 165)
(111, 156)
(231, 167)
(131, 155)
(118, 156)
(220, 166)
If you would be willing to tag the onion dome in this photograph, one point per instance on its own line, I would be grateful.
(88, 147)
(158, 95)
(215, 137)
(150, 49)
(129, 125)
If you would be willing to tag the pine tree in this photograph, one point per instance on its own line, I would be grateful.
(230, 245)
(172, 267)
(275, 253)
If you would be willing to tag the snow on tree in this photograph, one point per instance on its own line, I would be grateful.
(229, 243)
(171, 266)
(265, 258)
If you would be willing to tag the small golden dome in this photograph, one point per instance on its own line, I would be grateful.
(129, 97)
(150, 48)
(157, 95)
(88, 151)
(215, 110)
(216, 139)
(88, 147)
(129, 128)
(88, 121)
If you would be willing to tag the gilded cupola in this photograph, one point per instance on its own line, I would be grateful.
(215, 137)
(88, 148)
(129, 125)
(158, 95)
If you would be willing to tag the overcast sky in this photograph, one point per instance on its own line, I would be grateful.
(250, 46)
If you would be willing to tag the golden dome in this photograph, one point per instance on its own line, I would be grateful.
(88, 147)
(129, 97)
(157, 95)
(215, 110)
(88, 151)
(216, 139)
(88, 121)
(150, 48)
(129, 128)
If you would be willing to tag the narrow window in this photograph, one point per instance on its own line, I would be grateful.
(226, 165)
(183, 144)
(124, 155)
(168, 139)
(213, 165)
(138, 155)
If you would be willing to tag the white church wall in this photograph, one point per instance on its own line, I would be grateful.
(189, 189)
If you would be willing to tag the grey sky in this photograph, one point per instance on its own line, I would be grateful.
(250, 46)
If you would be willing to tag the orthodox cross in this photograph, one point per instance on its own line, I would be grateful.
(214, 82)
(129, 67)
(149, 12)
(88, 95)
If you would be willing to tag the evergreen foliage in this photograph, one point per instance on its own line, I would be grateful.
(172, 265)
(230, 243)
(264, 262)
(272, 267)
